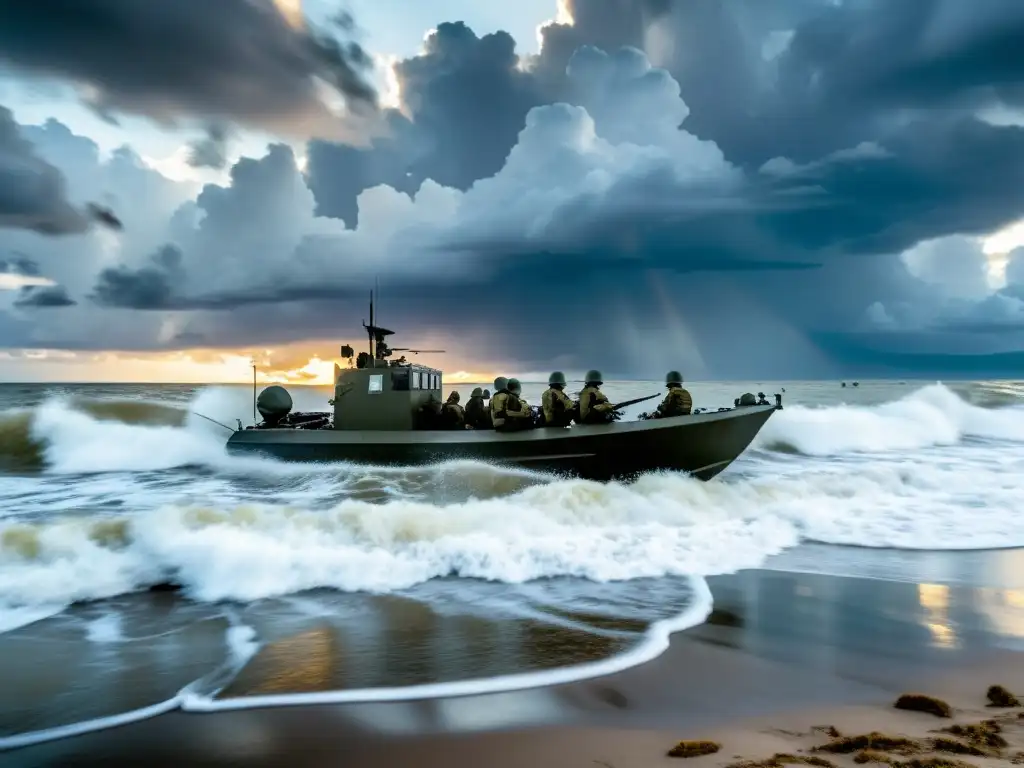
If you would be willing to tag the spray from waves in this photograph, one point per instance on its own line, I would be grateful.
(662, 525)
(67, 435)
(931, 416)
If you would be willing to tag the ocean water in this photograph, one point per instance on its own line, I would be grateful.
(143, 569)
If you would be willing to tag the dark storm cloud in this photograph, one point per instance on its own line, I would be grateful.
(467, 102)
(938, 177)
(238, 60)
(19, 264)
(33, 193)
(829, 90)
(210, 151)
(870, 360)
(150, 287)
(43, 297)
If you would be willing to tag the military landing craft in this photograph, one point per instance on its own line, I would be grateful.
(378, 419)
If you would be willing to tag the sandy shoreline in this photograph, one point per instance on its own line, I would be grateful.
(785, 652)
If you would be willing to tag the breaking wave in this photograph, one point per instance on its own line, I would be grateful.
(931, 416)
(326, 525)
(247, 528)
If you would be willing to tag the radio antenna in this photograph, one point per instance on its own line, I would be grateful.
(253, 361)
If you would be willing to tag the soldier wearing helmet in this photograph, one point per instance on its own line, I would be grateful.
(594, 405)
(555, 404)
(498, 402)
(477, 416)
(518, 414)
(678, 401)
(454, 414)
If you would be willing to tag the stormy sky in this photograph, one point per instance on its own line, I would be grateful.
(737, 188)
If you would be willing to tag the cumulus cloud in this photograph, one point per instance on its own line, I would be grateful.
(737, 206)
(238, 60)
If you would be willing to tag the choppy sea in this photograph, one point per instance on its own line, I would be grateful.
(143, 569)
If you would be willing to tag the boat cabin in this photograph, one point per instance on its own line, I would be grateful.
(375, 393)
(389, 397)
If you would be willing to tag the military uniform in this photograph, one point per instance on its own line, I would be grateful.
(498, 402)
(557, 407)
(678, 401)
(454, 414)
(594, 405)
(518, 414)
(476, 411)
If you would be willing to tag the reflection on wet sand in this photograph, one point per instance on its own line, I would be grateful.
(837, 624)
(416, 646)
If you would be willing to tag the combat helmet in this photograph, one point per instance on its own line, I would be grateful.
(556, 378)
(487, 394)
(514, 387)
(500, 384)
(673, 377)
(593, 377)
(747, 398)
(454, 397)
(477, 392)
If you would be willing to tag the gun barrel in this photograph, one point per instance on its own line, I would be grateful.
(617, 406)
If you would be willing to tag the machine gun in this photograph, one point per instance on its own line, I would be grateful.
(626, 403)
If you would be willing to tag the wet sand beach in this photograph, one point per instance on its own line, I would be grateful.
(782, 652)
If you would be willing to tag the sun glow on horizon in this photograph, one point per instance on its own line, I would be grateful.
(285, 366)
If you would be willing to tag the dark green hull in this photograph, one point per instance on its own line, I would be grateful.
(701, 445)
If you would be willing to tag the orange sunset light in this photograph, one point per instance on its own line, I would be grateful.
(282, 366)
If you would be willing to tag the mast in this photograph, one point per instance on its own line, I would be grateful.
(369, 330)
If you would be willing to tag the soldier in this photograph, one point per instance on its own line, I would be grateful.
(594, 405)
(678, 401)
(518, 414)
(555, 404)
(497, 406)
(477, 416)
(454, 415)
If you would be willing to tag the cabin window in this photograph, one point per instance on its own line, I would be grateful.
(376, 384)
(435, 383)
(416, 380)
(400, 380)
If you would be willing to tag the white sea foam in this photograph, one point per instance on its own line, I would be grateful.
(931, 416)
(888, 482)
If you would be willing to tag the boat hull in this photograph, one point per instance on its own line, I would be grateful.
(702, 445)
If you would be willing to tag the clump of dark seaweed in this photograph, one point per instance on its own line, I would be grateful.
(918, 702)
(870, 756)
(781, 759)
(957, 747)
(998, 696)
(983, 734)
(873, 741)
(694, 748)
